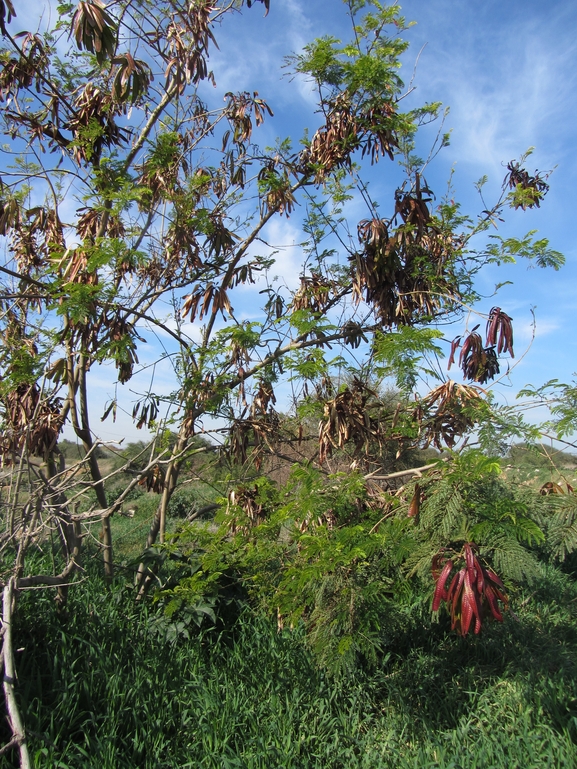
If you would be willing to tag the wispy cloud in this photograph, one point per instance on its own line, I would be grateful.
(504, 72)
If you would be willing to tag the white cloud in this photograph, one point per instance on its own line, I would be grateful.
(284, 237)
(540, 328)
(506, 78)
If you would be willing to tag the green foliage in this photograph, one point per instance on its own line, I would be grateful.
(400, 354)
(561, 399)
(499, 424)
(317, 555)
(326, 553)
(558, 514)
(184, 502)
(467, 501)
(369, 67)
(505, 250)
(79, 303)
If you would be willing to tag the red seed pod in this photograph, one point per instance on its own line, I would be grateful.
(415, 505)
(470, 561)
(493, 605)
(470, 606)
(494, 578)
(440, 592)
(452, 588)
(456, 602)
(480, 577)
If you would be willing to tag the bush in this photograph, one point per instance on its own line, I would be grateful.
(183, 502)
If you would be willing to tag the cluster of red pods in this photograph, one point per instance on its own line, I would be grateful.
(473, 593)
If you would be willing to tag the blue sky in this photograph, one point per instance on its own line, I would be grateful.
(508, 72)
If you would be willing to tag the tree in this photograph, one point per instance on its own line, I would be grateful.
(173, 200)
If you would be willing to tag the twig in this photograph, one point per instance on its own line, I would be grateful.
(384, 518)
(411, 471)
(28, 586)
(12, 744)
(59, 580)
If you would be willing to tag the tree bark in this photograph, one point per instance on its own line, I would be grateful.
(158, 526)
(82, 430)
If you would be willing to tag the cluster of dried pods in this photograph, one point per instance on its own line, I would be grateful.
(447, 413)
(479, 362)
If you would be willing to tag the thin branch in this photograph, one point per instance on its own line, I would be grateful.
(418, 471)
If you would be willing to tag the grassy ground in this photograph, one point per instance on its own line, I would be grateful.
(102, 688)
(130, 527)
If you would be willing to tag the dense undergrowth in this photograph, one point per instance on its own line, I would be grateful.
(102, 688)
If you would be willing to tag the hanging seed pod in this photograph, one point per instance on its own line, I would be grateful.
(500, 331)
(415, 505)
(474, 592)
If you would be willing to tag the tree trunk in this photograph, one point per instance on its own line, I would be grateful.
(158, 526)
(14, 717)
(83, 432)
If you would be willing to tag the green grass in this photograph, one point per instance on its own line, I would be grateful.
(100, 689)
(129, 533)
